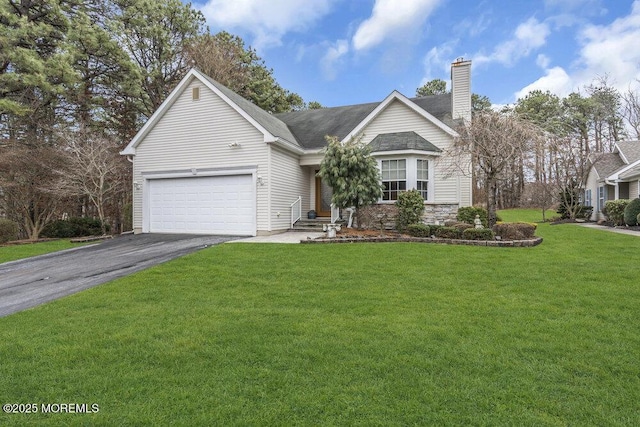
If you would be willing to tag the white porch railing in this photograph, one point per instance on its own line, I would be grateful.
(296, 210)
(335, 213)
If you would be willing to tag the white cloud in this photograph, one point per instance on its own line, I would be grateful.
(528, 36)
(542, 60)
(556, 80)
(606, 50)
(267, 21)
(330, 61)
(612, 50)
(391, 18)
(437, 63)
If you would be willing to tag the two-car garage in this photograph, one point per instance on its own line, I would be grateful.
(220, 204)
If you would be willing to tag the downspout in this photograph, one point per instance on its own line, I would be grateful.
(269, 207)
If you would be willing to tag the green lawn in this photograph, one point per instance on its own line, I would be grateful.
(15, 252)
(350, 334)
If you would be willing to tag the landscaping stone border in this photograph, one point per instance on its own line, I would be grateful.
(494, 243)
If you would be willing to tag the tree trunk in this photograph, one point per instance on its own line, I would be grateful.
(492, 200)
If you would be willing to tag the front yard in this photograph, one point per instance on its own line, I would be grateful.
(366, 334)
(14, 252)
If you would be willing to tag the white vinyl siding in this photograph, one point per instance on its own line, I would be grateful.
(446, 188)
(461, 90)
(201, 134)
(288, 180)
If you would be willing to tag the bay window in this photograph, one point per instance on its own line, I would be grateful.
(403, 174)
(422, 178)
(394, 178)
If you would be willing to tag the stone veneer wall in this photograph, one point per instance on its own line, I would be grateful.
(373, 215)
(441, 213)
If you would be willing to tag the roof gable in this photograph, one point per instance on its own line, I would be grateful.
(629, 150)
(311, 126)
(271, 128)
(401, 141)
(397, 96)
(606, 163)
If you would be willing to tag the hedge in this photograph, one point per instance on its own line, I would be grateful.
(631, 212)
(8, 230)
(73, 227)
(478, 234)
(448, 233)
(515, 230)
(468, 214)
(614, 210)
(418, 230)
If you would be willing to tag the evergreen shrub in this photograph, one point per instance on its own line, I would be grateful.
(73, 227)
(8, 230)
(478, 234)
(614, 210)
(448, 233)
(410, 208)
(515, 230)
(463, 226)
(468, 214)
(631, 212)
(419, 230)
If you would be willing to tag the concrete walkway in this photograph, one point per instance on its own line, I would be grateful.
(286, 237)
(619, 230)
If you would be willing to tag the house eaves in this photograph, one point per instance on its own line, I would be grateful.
(621, 173)
(631, 174)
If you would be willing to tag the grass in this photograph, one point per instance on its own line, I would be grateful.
(361, 334)
(15, 252)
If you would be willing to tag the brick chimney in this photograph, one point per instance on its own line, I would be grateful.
(461, 90)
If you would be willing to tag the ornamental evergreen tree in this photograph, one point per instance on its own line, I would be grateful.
(352, 174)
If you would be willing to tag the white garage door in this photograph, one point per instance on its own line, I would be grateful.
(203, 205)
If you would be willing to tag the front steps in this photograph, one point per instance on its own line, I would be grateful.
(314, 225)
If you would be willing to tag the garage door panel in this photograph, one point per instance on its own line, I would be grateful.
(204, 205)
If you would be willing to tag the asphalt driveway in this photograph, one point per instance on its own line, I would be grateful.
(34, 281)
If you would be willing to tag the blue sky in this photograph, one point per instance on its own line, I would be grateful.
(342, 52)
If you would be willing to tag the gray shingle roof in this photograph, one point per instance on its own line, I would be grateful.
(311, 126)
(268, 121)
(401, 141)
(630, 149)
(308, 128)
(607, 163)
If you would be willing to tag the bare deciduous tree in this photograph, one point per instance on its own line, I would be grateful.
(25, 174)
(92, 168)
(494, 141)
(631, 111)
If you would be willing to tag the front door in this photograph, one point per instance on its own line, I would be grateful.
(323, 197)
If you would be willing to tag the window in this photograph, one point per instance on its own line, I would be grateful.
(587, 198)
(195, 93)
(394, 178)
(600, 198)
(422, 178)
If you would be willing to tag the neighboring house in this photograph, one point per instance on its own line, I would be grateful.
(209, 161)
(613, 176)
